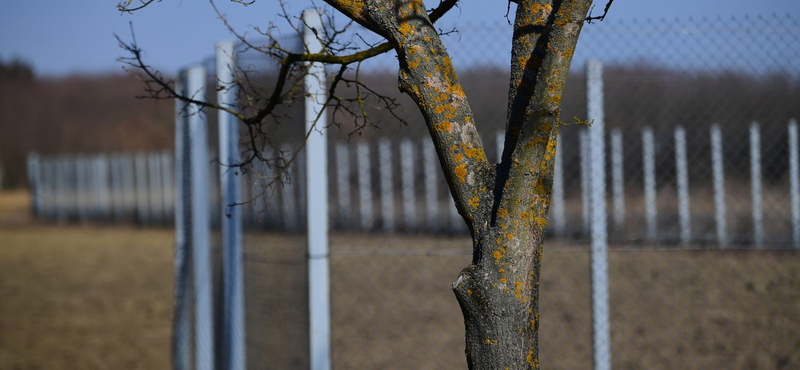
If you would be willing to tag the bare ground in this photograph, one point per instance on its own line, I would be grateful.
(101, 298)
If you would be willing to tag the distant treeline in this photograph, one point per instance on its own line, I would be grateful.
(100, 113)
(75, 114)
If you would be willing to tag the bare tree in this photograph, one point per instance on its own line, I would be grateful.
(504, 205)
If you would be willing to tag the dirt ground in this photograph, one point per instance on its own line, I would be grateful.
(101, 298)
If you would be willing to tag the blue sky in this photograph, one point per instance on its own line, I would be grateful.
(61, 37)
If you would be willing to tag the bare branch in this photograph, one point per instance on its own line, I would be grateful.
(600, 18)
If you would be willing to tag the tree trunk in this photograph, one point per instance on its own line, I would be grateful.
(499, 299)
(505, 205)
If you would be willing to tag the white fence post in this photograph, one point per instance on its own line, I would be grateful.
(557, 203)
(105, 184)
(650, 195)
(35, 183)
(201, 258)
(181, 338)
(142, 200)
(61, 189)
(431, 164)
(128, 184)
(407, 177)
(231, 216)
(794, 182)
(618, 179)
(288, 198)
(317, 167)
(156, 194)
(755, 184)
(365, 209)
(83, 188)
(499, 139)
(682, 173)
(343, 184)
(719, 184)
(167, 185)
(599, 250)
(116, 187)
(95, 186)
(387, 191)
(585, 168)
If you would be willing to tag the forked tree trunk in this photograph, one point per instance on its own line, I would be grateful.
(504, 205)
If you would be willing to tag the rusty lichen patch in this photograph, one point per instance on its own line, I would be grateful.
(474, 153)
(461, 172)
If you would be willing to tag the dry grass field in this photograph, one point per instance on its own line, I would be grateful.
(101, 298)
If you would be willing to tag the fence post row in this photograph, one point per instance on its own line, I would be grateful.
(231, 220)
(317, 211)
(599, 244)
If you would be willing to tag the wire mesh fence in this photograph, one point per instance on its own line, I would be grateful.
(701, 156)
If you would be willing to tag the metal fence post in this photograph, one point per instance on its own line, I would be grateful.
(116, 186)
(231, 218)
(128, 185)
(181, 336)
(156, 194)
(95, 186)
(167, 185)
(650, 193)
(142, 200)
(499, 140)
(558, 214)
(201, 258)
(794, 182)
(365, 209)
(755, 184)
(35, 182)
(430, 164)
(407, 177)
(317, 167)
(288, 200)
(618, 179)
(343, 184)
(585, 168)
(682, 174)
(599, 250)
(719, 184)
(83, 188)
(61, 189)
(387, 191)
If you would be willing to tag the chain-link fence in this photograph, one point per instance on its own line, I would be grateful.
(702, 201)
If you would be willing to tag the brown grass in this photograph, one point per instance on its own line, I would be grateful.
(85, 298)
(101, 298)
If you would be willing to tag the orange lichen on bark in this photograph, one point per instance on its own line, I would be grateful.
(442, 126)
(461, 172)
(474, 153)
(474, 202)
